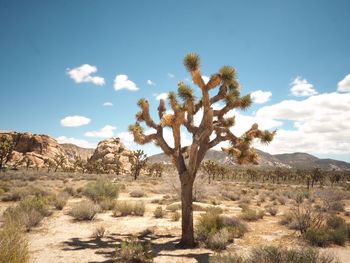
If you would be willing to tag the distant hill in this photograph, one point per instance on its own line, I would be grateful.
(288, 160)
(73, 150)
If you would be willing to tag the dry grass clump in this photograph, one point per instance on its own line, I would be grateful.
(20, 193)
(107, 204)
(249, 214)
(13, 245)
(159, 212)
(273, 254)
(60, 200)
(272, 210)
(99, 232)
(133, 250)
(230, 195)
(125, 208)
(173, 207)
(175, 216)
(137, 193)
(84, 210)
(28, 213)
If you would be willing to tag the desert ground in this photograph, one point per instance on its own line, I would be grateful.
(61, 238)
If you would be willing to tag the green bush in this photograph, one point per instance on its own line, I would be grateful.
(134, 251)
(216, 230)
(13, 245)
(101, 189)
(335, 231)
(84, 210)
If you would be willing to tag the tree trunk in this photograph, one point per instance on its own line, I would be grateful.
(187, 236)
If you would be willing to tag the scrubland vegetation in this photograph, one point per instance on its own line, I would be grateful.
(231, 212)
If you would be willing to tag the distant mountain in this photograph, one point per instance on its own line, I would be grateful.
(73, 150)
(288, 160)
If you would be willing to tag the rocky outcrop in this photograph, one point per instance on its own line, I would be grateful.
(112, 152)
(34, 147)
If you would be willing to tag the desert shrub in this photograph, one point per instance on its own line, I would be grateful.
(13, 245)
(173, 207)
(84, 210)
(107, 204)
(249, 214)
(245, 200)
(334, 231)
(216, 231)
(214, 209)
(175, 216)
(139, 209)
(158, 212)
(124, 208)
(231, 196)
(282, 200)
(70, 190)
(272, 254)
(99, 232)
(137, 193)
(219, 240)
(21, 193)
(28, 213)
(236, 228)
(304, 216)
(101, 189)
(132, 250)
(60, 200)
(272, 210)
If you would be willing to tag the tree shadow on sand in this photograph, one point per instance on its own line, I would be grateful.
(107, 247)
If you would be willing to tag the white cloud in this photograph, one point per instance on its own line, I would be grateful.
(302, 88)
(162, 96)
(344, 84)
(170, 75)
(122, 82)
(127, 138)
(151, 83)
(205, 79)
(74, 121)
(83, 74)
(260, 96)
(78, 142)
(108, 104)
(320, 124)
(105, 132)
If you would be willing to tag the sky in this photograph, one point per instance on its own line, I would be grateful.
(75, 69)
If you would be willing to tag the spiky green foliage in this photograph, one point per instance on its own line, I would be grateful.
(227, 74)
(185, 92)
(192, 61)
(245, 102)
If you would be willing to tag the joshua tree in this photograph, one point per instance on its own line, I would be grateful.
(155, 170)
(138, 162)
(6, 149)
(50, 164)
(213, 122)
(60, 161)
(211, 168)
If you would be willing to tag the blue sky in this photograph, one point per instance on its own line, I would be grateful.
(296, 53)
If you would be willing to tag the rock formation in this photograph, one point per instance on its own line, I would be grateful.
(35, 147)
(112, 152)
